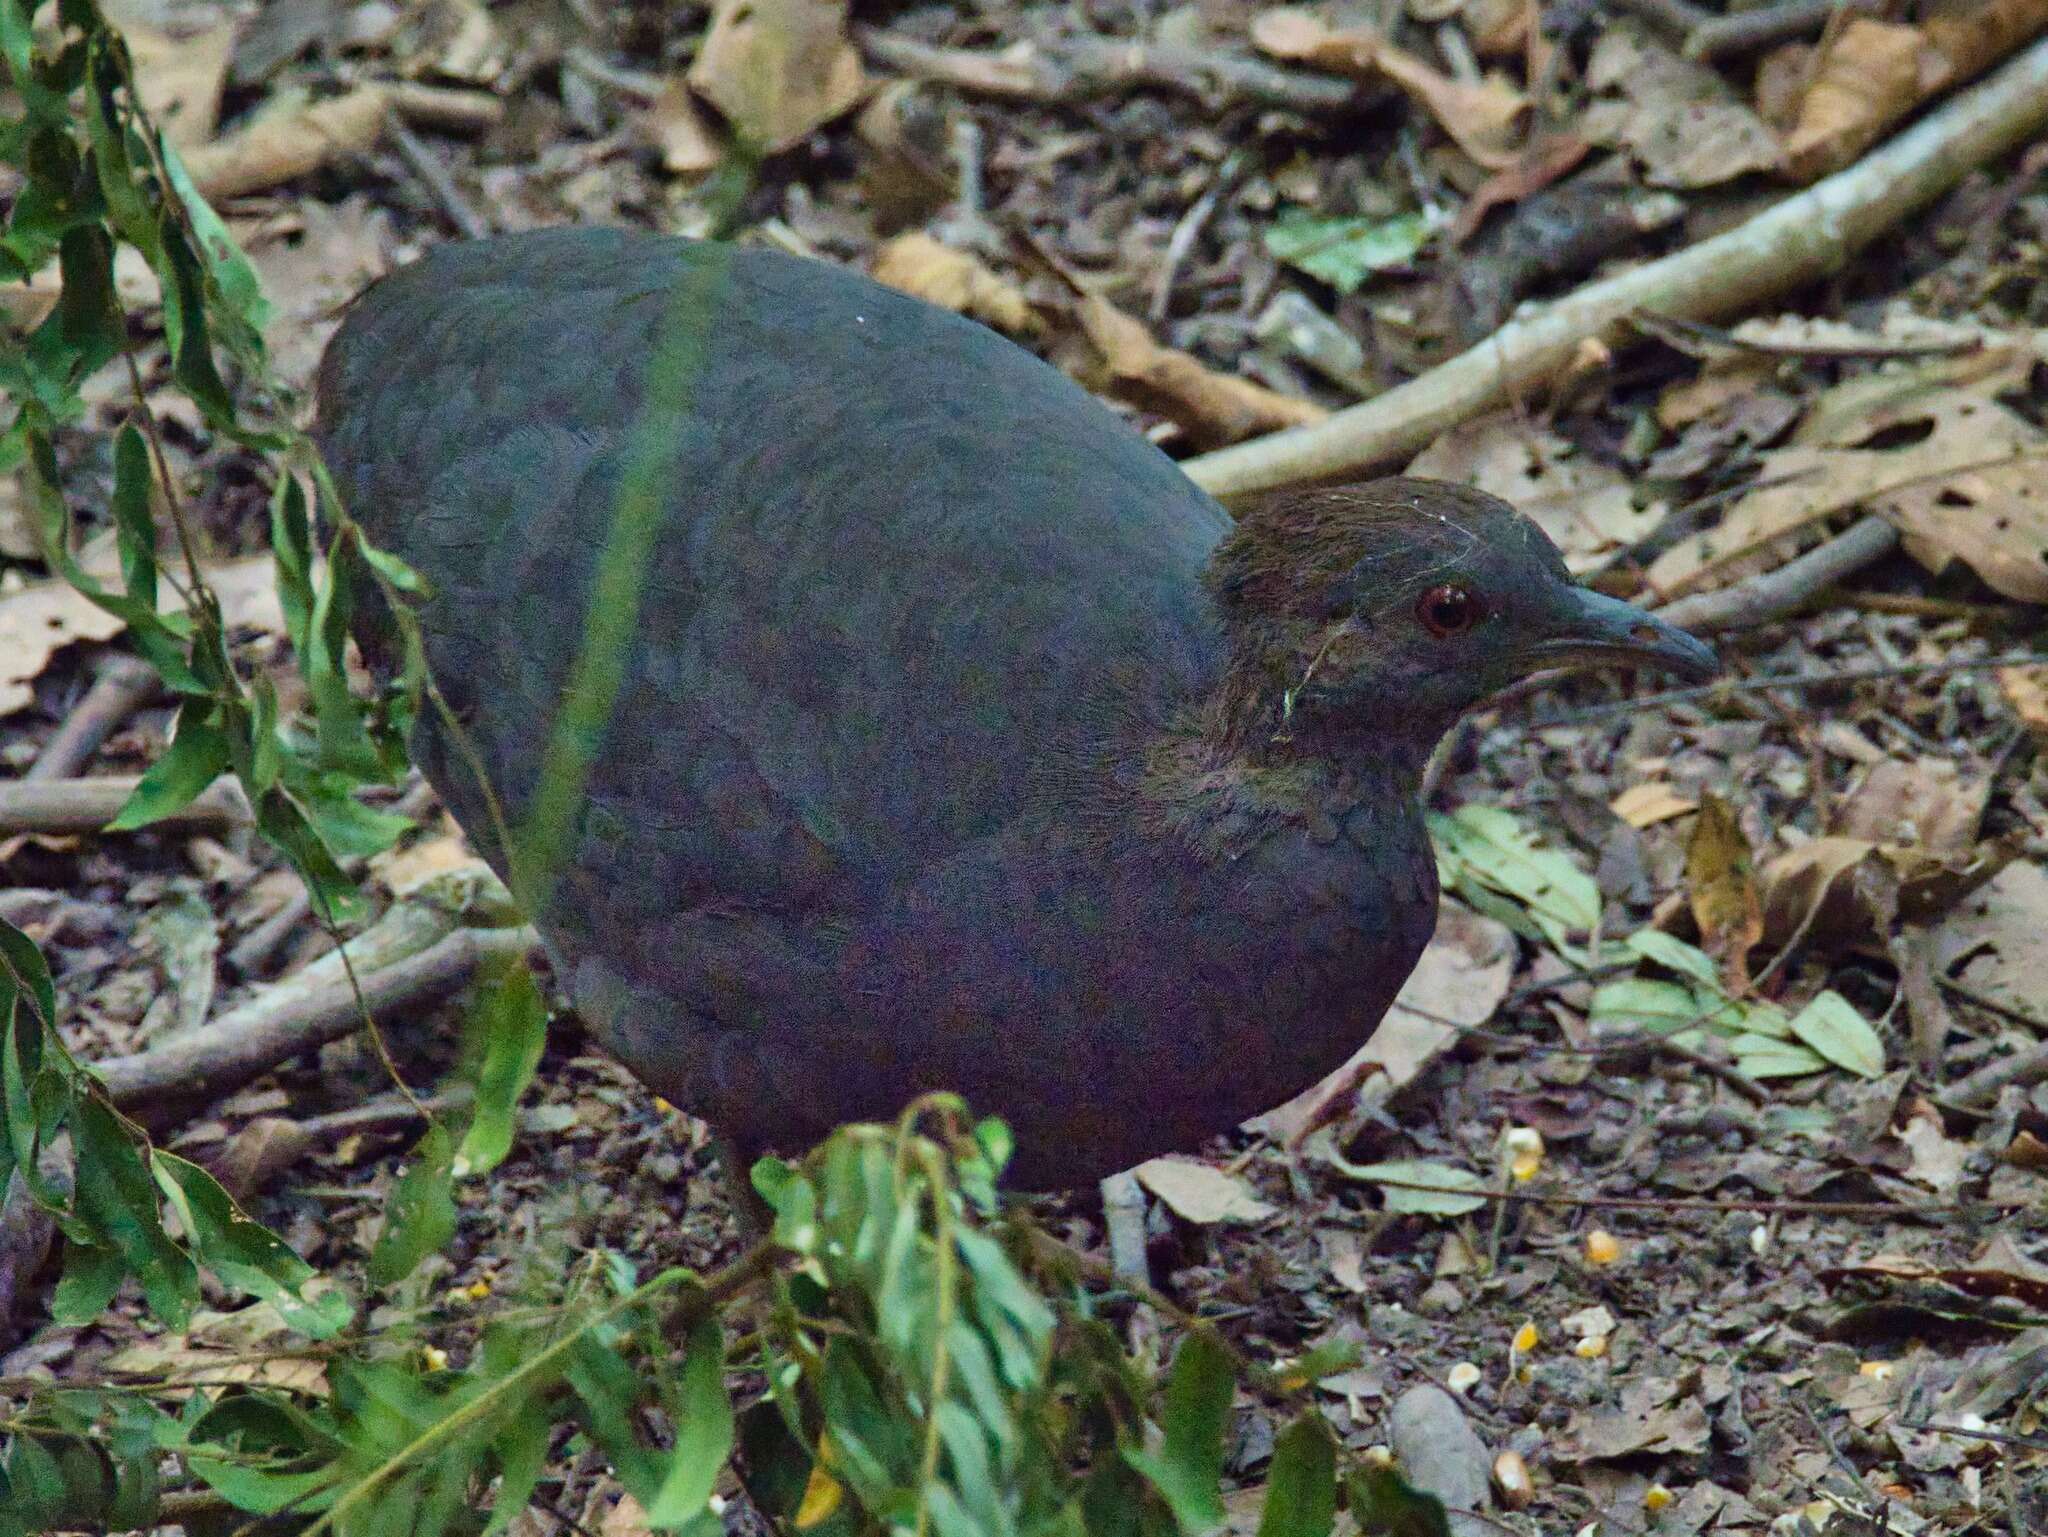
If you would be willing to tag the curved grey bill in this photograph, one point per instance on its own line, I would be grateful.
(1602, 631)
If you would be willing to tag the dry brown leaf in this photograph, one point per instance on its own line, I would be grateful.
(1819, 878)
(1457, 985)
(1997, 941)
(287, 140)
(687, 144)
(1482, 117)
(778, 69)
(1868, 74)
(1780, 84)
(1587, 508)
(2000, 1269)
(1938, 1159)
(1923, 803)
(1680, 120)
(461, 41)
(1720, 881)
(1958, 471)
(1654, 801)
(179, 76)
(1864, 78)
(1211, 408)
(2026, 691)
(1200, 1192)
(960, 281)
(36, 621)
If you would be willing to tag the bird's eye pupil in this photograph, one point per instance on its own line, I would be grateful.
(1447, 610)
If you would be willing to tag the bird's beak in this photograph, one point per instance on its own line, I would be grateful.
(1596, 630)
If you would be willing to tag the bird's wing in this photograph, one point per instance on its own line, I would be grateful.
(901, 564)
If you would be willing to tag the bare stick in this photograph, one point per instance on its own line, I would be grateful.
(434, 176)
(64, 807)
(1777, 593)
(1085, 68)
(1802, 238)
(2024, 1067)
(285, 1021)
(122, 686)
(1740, 32)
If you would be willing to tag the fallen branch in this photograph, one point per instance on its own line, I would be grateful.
(1776, 593)
(1795, 241)
(124, 684)
(278, 147)
(59, 808)
(289, 1019)
(1086, 68)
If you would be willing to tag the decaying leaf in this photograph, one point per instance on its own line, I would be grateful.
(1590, 510)
(1924, 803)
(1654, 1416)
(1647, 804)
(1813, 887)
(1997, 939)
(1457, 985)
(1483, 117)
(687, 145)
(1211, 408)
(1681, 121)
(179, 76)
(1932, 449)
(2026, 691)
(960, 281)
(778, 68)
(1200, 1192)
(1720, 882)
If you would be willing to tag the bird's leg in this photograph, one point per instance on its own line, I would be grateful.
(735, 1161)
(1123, 1219)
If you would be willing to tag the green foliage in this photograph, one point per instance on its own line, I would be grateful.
(1345, 251)
(914, 1363)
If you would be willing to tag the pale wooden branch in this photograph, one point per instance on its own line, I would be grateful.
(1795, 241)
(71, 807)
(1778, 592)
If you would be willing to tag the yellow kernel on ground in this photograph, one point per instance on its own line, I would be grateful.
(1526, 1339)
(1461, 1377)
(435, 1357)
(822, 1494)
(1591, 1348)
(1602, 1247)
(1511, 1480)
(1378, 1456)
(1877, 1371)
(1525, 1152)
(663, 1106)
(1657, 1497)
(476, 1291)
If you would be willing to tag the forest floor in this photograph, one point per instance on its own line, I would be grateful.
(1791, 1266)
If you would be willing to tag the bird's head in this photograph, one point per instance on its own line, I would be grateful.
(1373, 615)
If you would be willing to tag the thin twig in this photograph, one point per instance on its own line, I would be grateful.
(123, 685)
(434, 176)
(1784, 590)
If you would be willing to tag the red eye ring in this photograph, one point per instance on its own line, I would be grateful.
(1448, 610)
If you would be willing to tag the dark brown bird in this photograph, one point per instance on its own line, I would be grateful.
(961, 741)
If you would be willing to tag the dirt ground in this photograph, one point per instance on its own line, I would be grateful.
(1770, 1277)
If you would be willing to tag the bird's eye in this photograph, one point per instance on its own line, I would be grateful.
(1448, 610)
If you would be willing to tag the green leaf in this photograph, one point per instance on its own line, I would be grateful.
(245, 1254)
(704, 1429)
(1384, 1505)
(91, 1277)
(1833, 1028)
(510, 1022)
(198, 756)
(422, 1215)
(1345, 251)
(1765, 1056)
(134, 527)
(117, 1196)
(1445, 1199)
(1675, 955)
(1301, 1488)
(1486, 847)
(1188, 1467)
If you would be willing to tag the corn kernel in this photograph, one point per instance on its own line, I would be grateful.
(1876, 1371)
(1591, 1348)
(1524, 1145)
(1461, 1377)
(1657, 1497)
(1511, 1480)
(1602, 1247)
(1526, 1339)
(435, 1357)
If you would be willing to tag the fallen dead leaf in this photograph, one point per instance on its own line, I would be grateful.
(1997, 940)
(287, 139)
(778, 69)
(1680, 121)
(1952, 466)
(1864, 77)
(1654, 1416)
(1590, 510)
(1720, 882)
(1482, 117)
(1457, 985)
(2026, 691)
(1922, 803)
(179, 76)
(1938, 1160)
(1647, 804)
(36, 621)
(1212, 408)
(1813, 887)
(960, 281)
(1201, 1193)
(687, 144)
